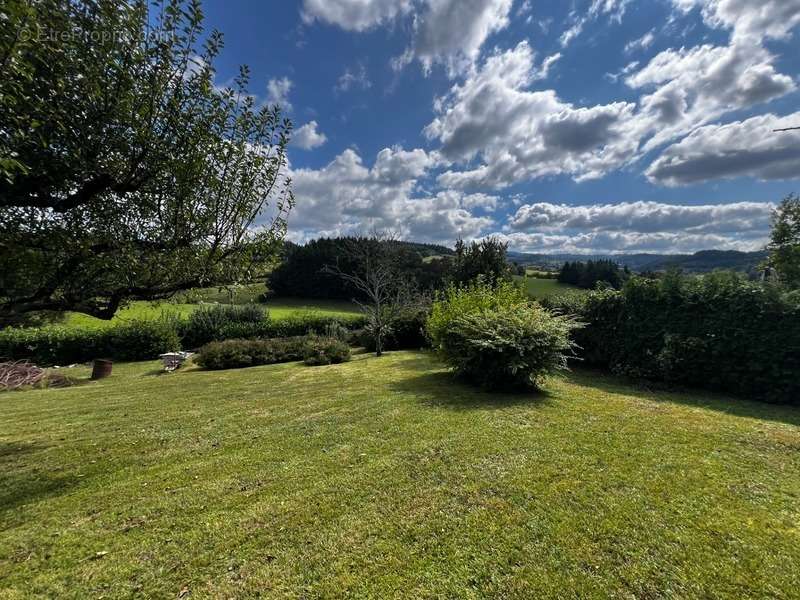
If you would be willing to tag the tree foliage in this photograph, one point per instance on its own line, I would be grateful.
(125, 172)
(305, 271)
(487, 258)
(784, 244)
(588, 274)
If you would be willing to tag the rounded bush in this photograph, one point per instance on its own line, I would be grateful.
(496, 337)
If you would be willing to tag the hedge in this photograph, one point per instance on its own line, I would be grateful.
(719, 332)
(145, 340)
(136, 340)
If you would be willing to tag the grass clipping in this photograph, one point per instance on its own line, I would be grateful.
(22, 374)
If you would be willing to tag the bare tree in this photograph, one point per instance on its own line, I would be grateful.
(384, 291)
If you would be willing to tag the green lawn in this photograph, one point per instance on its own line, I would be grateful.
(278, 308)
(544, 288)
(385, 478)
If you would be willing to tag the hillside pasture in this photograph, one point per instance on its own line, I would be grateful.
(544, 288)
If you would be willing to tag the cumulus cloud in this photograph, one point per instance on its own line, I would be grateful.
(521, 134)
(446, 32)
(452, 32)
(346, 196)
(644, 217)
(307, 137)
(691, 87)
(748, 19)
(637, 227)
(354, 16)
(278, 92)
(612, 242)
(742, 148)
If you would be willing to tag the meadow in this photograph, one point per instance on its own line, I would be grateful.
(388, 478)
(540, 288)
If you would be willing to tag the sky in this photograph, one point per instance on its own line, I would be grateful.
(590, 126)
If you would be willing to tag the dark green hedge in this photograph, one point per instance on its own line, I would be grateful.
(238, 354)
(718, 332)
(136, 340)
(144, 340)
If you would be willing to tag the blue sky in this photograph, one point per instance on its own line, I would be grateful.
(587, 126)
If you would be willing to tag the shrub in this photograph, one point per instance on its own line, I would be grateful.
(719, 331)
(208, 323)
(407, 332)
(474, 297)
(495, 337)
(134, 340)
(325, 351)
(237, 354)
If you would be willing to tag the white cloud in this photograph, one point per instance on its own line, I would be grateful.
(452, 32)
(278, 92)
(612, 242)
(446, 32)
(307, 137)
(693, 87)
(521, 134)
(637, 227)
(354, 15)
(742, 148)
(353, 78)
(346, 196)
(748, 19)
(615, 9)
(738, 218)
(642, 43)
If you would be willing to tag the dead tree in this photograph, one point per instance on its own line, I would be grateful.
(383, 291)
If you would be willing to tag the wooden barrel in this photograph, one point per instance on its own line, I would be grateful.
(101, 368)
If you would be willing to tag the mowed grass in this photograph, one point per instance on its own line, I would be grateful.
(545, 288)
(279, 308)
(386, 478)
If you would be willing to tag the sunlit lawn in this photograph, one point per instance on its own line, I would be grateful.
(386, 478)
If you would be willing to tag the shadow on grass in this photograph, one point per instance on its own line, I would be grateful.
(20, 484)
(443, 389)
(656, 392)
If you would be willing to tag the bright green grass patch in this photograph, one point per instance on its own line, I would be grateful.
(385, 478)
(278, 308)
(544, 288)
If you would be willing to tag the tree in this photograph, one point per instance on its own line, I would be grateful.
(383, 291)
(125, 173)
(488, 258)
(784, 246)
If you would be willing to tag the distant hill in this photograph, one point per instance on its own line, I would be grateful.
(699, 262)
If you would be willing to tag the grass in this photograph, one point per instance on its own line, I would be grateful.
(544, 288)
(278, 308)
(386, 478)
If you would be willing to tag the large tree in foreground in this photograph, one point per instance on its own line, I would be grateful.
(125, 173)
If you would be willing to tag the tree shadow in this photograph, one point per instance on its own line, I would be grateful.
(20, 485)
(443, 389)
(658, 392)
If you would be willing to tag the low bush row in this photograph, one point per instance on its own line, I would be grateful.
(143, 340)
(237, 354)
(719, 332)
(134, 340)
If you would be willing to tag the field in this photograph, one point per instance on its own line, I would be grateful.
(386, 478)
(544, 288)
(278, 308)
